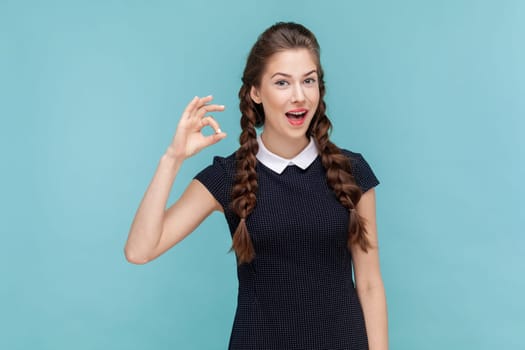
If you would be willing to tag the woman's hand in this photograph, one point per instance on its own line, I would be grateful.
(188, 139)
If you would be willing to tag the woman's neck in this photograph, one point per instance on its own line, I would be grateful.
(284, 147)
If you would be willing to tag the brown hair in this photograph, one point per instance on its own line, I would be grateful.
(278, 38)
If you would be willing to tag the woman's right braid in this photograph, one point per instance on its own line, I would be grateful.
(245, 185)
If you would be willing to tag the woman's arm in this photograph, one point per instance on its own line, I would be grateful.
(155, 229)
(369, 283)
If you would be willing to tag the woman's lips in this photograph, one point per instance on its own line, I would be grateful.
(296, 116)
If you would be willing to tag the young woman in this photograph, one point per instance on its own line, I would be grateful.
(301, 210)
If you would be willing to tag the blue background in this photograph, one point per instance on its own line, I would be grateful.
(431, 92)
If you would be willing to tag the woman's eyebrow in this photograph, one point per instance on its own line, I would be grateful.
(289, 75)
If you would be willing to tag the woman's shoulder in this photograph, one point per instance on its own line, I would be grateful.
(355, 157)
(218, 178)
(351, 154)
(361, 170)
(224, 162)
(220, 166)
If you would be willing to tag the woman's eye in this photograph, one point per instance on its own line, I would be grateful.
(310, 81)
(281, 83)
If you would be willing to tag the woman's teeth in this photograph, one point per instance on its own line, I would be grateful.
(296, 115)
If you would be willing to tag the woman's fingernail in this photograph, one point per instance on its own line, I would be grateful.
(218, 131)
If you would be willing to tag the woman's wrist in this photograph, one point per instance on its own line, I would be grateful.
(172, 156)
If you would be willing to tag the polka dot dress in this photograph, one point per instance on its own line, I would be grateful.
(298, 293)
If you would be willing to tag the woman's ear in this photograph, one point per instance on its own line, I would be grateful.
(254, 94)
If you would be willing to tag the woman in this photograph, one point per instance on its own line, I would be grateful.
(301, 210)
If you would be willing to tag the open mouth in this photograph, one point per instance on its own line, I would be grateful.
(296, 117)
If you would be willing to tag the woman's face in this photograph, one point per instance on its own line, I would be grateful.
(289, 94)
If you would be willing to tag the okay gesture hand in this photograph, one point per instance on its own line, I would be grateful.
(188, 139)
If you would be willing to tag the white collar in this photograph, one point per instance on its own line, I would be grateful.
(278, 164)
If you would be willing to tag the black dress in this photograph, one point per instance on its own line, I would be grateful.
(298, 293)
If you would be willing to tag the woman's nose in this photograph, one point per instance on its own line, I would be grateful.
(298, 94)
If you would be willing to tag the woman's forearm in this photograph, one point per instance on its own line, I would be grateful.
(373, 302)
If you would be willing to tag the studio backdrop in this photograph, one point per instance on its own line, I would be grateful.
(430, 92)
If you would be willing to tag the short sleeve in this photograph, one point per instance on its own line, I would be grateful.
(362, 172)
(217, 178)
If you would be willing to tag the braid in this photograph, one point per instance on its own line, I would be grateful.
(339, 175)
(245, 185)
